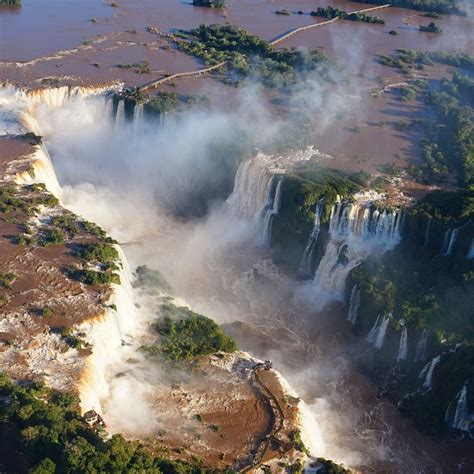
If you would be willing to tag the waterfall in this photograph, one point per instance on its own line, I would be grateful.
(427, 232)
(420, 354)
(354, 303)
(373, 332)
(403, 347)
(273, 210)
(120, 115)
(356, 230)
(449, 241)
(427, 372)
(457, 414)
(470, 253)
(257, 194)
(138, 116)
(305, 265)
(379, 339)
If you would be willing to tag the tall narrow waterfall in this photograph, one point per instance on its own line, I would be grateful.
(449, 241)
(427, 372)
(138, 116)
(272, 210)
(470, 253)
(305, 265)
(120, 115)
(356, 230)
(403, 346)
(457, 414)
(354, 303)
(427, 232)
(420, 354)
(376, 335)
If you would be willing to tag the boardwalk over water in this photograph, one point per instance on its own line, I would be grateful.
(275, 41)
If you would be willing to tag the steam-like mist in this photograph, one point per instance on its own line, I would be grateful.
(130, 179)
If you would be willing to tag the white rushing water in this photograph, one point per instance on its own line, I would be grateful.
(458, 415)
(354, 303)
(403, 345)
(449, 241)
(377, 334)
(305, 265)
(470, 253)
(427, 372)
(421, 346)
(356, 230)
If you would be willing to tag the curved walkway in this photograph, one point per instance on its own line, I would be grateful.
(275, 41)
(277, 415)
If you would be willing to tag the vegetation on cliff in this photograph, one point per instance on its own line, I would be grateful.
(46, 434)
(186, 335)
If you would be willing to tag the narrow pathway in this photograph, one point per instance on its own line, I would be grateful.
(275, 41)
(277, 415)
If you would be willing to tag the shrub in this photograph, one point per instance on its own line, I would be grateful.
(189, 334)
(52, 236)
(6, 280)
(97, 252)
(92, 277)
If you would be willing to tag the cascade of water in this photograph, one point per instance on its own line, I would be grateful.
(373, 332)
(379, 339)
(462, 411)
(427, 232)
(420, 353)
(120, 115)
(305, 265)
(449, 240)
(403, 347)
(427, 372)
(354, 303)
(357, 230)
(470, 253)
(138, 116)
(252, 194)
(273, 210)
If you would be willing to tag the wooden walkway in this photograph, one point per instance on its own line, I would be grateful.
(275, 41)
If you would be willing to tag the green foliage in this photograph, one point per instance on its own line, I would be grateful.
(46, 312)
(428, 291)
(6, 280)
(91, 277)
(283, 12)
(162, 103)
(187, 335)
(97, 252)
(54, 438)
(209, 3)
(295, 438)
(408, 59)
(329, 467)
(407, 93)
(249, 55)
(431, 28)
(10, 2)
(96, 231)
(449, 145)
(331, 12)
(393, 33)
(454, 7)
(152, 278)
(66, 222)
(52, 236)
